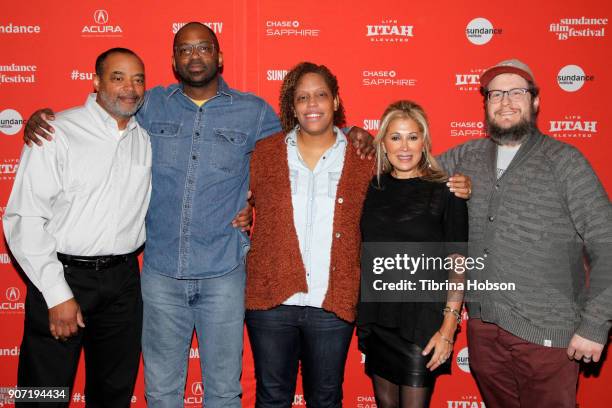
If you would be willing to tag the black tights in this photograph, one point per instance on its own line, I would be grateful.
(390, 395)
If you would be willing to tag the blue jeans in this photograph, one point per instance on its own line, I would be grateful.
(172, 308)
(285, 335)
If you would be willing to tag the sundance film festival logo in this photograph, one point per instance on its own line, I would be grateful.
(472, 129)
(17, 74)
(470, 401)
(389, 31)
(289, 28)
(12, 302)
(11, 122)
(276, 74)
(216, 26)
(573, 126)
(572, 77)
(11, 28)
(385, 78)
(101, 28)
(468, 82)
(581, 27)
(480, 31)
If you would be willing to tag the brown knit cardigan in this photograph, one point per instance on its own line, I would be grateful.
(275, 269)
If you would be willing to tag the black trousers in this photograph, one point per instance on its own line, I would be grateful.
(111, 304)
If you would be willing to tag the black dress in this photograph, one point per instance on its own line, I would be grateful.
(393, 335)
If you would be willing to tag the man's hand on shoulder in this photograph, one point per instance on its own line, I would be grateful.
(38, 127)
(461, 185)
(363, 142)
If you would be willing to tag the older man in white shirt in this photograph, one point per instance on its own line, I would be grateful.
(74, 222)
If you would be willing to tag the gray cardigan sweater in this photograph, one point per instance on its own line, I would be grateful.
(533, 224)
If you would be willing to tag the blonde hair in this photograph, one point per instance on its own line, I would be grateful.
(428, 167)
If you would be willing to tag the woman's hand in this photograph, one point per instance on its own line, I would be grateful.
(442, 349)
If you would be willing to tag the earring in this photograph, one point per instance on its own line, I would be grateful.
(427, 160)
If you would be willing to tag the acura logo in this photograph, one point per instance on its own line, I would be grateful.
(100, 17)
(12, 294)
(197, 389)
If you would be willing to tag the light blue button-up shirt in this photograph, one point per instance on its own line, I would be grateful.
(313, 195)
(200, 178)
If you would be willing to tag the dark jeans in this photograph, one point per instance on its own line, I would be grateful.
(111, 304)
(283, 337)
(514, 373)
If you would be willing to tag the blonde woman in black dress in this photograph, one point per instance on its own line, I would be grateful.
(407, 345)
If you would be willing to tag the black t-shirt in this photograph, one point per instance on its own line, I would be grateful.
(409, 210)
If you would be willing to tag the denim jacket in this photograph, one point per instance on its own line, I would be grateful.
(200, 178)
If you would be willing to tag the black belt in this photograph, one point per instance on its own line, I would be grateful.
(94, 262)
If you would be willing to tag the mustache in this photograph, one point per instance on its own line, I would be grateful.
(131, 95)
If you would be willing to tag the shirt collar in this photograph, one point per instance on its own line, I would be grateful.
(94, 107)
(291, 138)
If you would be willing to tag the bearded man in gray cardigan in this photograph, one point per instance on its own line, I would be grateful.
(541, 219)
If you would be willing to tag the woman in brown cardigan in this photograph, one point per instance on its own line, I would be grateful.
(303, 267)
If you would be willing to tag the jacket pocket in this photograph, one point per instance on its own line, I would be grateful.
(229, 150)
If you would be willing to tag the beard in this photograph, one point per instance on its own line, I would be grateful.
(185, 76)
(515, 133)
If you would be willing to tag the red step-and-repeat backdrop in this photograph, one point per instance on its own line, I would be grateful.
(431, 52)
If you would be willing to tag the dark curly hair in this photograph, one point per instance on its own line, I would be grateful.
(287, 117)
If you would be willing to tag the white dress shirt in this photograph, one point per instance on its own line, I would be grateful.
(84, 193)
(313, 195)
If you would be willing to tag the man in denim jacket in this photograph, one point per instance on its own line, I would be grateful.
(202, 133)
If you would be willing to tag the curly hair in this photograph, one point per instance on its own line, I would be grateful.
(428, 167)
(287, 94)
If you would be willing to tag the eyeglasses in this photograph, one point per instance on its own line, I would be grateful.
(515, 94)
(186, 50)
